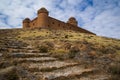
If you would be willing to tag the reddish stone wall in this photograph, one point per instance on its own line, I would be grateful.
(33, 23)
(56, 24)
(44, 21)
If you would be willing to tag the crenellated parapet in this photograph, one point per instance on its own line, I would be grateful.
(43, 10)
(43, 20)
(26, 23)
(72, 21)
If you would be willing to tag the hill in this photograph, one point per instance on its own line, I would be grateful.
(61, 54)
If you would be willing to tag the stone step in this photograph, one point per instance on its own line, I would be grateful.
(66, 73)
(94, 77)
(49, 66)
(32, 51)
(16, 73)
(1, 54)
(28, 47)
(22, 50)
(28, 55)
(35, 59)
(15, 47)
(13, 50)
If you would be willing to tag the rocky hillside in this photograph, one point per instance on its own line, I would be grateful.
(57, 55)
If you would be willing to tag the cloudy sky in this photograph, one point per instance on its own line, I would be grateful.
(99, 16)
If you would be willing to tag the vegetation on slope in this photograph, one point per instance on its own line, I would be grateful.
(90, 50)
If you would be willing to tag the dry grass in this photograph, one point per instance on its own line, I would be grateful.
(60, 38)
(114, 70)
(64, 40)
(67, 45)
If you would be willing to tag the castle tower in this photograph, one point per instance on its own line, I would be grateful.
(26, 22)
(42, 21)
(72, 21)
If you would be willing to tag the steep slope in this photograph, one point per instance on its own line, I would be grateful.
(57, 55)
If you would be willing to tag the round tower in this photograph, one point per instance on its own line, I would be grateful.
(26, 22)
(42, 21)
(72, 21)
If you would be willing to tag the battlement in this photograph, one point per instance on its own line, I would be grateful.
(72, 21)
(42, 10)
(43, 20)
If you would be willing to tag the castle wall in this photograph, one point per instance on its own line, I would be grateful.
(26, 25)
(56, 24)
(33, 24)
(44, 21)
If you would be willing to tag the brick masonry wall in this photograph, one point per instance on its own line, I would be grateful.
(45, 21)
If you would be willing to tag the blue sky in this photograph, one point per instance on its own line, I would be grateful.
(99, 16)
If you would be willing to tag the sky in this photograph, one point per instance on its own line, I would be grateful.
(101, 17)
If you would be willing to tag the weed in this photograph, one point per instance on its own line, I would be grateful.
(114, 70)
(73, 51)
(43, 48)
(66, 36)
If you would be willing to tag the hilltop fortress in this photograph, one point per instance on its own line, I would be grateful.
(43, 20)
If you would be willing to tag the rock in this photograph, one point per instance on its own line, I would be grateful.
(16, 73)
(1, 54)
(4, 64)
(9, 74)
(3, 49)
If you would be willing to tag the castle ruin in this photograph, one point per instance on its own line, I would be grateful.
(43, 20)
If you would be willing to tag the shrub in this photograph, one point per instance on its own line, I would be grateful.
(114, 70)
(73, 51)
(107, 50)
(43, 48)
(67, 46)
(114, 77)
(70, 35)
(12, 76)
(9, 73)
(49, 44)
(66, 36)
(60, 53)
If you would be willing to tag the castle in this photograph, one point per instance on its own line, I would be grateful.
(43, 20)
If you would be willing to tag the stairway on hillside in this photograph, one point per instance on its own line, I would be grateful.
(45, 67)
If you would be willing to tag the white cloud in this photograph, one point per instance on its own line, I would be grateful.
(99, 16)
(107, 24)
(74, 2)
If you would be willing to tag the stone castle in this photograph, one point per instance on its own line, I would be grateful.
(43, 20)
